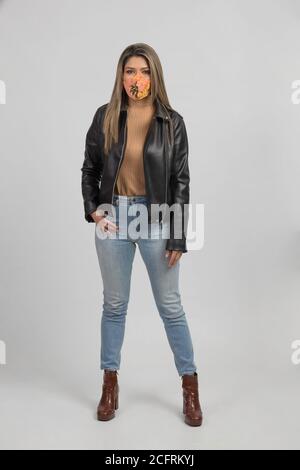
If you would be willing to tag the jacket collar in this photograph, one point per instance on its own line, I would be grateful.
(159, 109)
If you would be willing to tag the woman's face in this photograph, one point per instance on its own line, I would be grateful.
(136, 78)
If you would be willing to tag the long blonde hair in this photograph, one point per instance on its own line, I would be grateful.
(119, 95)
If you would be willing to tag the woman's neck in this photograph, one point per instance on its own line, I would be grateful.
(139, 103)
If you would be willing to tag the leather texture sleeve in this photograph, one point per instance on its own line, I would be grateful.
(92, 167)
(180, 184)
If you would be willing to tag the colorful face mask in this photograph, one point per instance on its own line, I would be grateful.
(137, 87)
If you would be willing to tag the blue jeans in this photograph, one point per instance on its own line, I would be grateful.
(115, 255)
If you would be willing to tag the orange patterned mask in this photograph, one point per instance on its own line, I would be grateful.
(138, 87)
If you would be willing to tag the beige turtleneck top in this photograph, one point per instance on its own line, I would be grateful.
(131, 178)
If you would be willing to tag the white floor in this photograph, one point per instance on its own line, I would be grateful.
(254, 410)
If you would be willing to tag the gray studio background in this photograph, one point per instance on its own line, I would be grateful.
(229, 68)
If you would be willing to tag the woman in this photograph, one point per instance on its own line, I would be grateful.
(137, 147)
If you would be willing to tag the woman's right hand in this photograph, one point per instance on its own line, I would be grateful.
(104, 224)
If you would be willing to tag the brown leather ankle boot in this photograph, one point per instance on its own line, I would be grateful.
(191, 405)
(109, 401)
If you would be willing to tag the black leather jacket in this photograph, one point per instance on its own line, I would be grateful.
(166, 167)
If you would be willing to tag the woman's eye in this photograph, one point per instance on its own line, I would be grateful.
(145, 71)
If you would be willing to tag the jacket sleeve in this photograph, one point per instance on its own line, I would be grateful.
(92, 167)
(180, 184)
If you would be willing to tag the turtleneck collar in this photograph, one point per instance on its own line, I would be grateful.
(160, 109)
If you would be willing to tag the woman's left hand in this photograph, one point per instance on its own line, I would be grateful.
(173, 256)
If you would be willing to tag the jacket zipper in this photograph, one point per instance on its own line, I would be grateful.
(168, 162)
(122, 154)
(144, 148)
